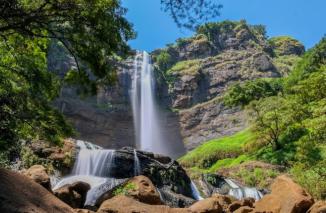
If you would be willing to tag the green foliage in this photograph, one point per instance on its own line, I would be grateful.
(94, 33)
(164, 60)
(229, 162)
(243, 94)
(190, 67)
(205, 155)
(286, 63)
(285, 45)
(259, 177)
(125, 189)
(312, 178)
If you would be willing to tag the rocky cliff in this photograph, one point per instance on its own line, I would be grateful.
(192, 76)
(195, 72)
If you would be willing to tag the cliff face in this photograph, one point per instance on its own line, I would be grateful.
(192, 76)
(195, 73)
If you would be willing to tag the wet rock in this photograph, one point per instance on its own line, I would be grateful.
(20, 194)
(286, 197)
(173, 199)
(168, 175)
(124, 204)
(73, 194)
(38, 174)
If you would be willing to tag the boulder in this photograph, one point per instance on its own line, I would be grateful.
(84, 211)
(73, 194)
(224, 200)
(173, 199)
(38, 174)
(20, 194)
(286, 197)
(247, 202)
(124, 204)
(144, 190)
(318, 207)
(208, 205)
(244, 209)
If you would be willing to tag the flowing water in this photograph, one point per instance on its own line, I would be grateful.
(243, 192)
(145, 112)
(137, 168)
(195, 191)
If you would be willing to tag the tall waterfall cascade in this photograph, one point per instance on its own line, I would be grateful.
(145, 111)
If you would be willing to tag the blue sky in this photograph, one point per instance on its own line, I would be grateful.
(302, 19)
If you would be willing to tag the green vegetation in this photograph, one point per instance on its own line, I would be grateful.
(93, 33)
(291, 126)
(243, 93)
(125, 189)
(286, 45)
(190, 67)
(288, 118)
(286, 63)
(206, 155)
(257, 177)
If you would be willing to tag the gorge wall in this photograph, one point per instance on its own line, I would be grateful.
(192, 76)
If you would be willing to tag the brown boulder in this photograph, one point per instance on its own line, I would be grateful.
(224, 200)
(20, 194)
(84, 211)
(73, 194)
(249, 202)
(208, 205)
(38, 174)
(124, 204)
(144, 190)
(318, 207)
(243, 209)
(286, 197)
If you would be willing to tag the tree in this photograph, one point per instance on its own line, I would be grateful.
(92, 31)
(191, 13)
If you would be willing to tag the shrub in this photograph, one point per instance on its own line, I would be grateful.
(125, 189)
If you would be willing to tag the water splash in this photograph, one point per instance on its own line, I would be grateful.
(243, 192)
(195, 191)
(137, 168)
(96, 162)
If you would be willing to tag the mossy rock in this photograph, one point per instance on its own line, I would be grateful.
(286, 45)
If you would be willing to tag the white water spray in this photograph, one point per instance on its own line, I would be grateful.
(243, 192)
(92, 160)
(146, 122)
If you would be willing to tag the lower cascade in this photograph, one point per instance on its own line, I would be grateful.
(242, 192)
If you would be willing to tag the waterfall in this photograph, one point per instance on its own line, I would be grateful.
(243, 192)
(146, 122)
(95, 162)
(137, 168)
(195, 192)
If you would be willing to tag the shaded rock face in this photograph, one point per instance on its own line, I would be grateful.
(144, 191)
(73, 194)
(38, 174)
(286, 197)
(20, 194)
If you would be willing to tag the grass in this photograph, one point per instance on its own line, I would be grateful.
(190, 67)
(218, 152)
